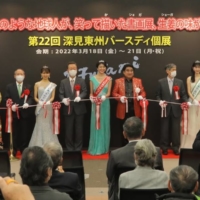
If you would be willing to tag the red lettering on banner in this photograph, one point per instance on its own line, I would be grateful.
(30, 24)
(79, 23)
(4, 24)
(13, 25)
(66, 24)
(21, 24)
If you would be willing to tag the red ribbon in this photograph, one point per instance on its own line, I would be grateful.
(144, 104)
(176, 89)
(185, 107)
(8, 128)
(98, 101)
(163, 109)
(25, 93)
(77, 88)
(45, 109)
(56, 117)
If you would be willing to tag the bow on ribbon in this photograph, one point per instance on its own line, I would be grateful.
(97, 101)
(25, 94)
(144, 104)
(56, 117)
(77, 88)
(8, 128)
(176, 89)
(185, 107)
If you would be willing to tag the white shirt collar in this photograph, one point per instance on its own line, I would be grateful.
(19, 83)
(133, 141)
(70, 79)
(169, 79)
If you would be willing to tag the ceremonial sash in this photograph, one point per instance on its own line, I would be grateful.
(47, 92)
(196, 90)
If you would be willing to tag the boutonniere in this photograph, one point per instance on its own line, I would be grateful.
(25, 94)
(176, 90)
(77, 88)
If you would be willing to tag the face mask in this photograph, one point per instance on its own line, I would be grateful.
(72, 72)
(19, 78)
(173, 74)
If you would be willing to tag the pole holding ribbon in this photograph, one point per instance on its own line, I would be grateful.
(185, 107)
(176, 90)
(8, 128)
(56, 117)
(144, 104)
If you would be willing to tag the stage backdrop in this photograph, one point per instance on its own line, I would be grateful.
(147, 33)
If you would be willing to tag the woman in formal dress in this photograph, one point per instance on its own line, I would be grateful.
(193, 88)
(100, 86)
(44, 93)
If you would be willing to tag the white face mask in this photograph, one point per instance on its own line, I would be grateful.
(19, 78)
(173, 74)
(72, 72)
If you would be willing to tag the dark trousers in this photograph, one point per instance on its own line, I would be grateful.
(170, 124)
(131, 113)
(74, 132)
(20, 134)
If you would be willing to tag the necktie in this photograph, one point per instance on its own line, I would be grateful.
(19, 89)
(72, 85)
(170, 86)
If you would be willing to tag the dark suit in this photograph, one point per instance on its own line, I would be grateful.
(67, 182)
(123, 157)
(20, 126)
(196, 144)
(47, 193)
(173, 112)
(74, 119)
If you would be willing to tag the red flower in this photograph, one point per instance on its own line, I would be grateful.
(26, 92)
(77, 87)
(176, 88)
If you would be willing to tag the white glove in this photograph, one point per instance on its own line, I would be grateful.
(14, 107)
(123, 99)
(103, 97)
(66, 101)
(25, 106)
(189, 104)
(195, 102)
(139, 98)
(161, 103)
(92, 99)
(41, 103)
(137, 90)
(48, 103)
(77, 99)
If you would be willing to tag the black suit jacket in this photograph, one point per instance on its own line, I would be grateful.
(12, 93)
(47, 193)
(196, 144)
(67, 182)
(163, 93)
(123, 157)
(66, 92)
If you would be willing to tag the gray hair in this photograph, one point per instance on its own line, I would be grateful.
(183, 179)
(55, 151)
(170, 66)
(133, 127)
(145, 153)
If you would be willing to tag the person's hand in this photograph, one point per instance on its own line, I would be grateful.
(60, 169)
(196, 103)
(103, 97)
(92, 99)
(48, 103)
(139, 98)
(189, 103)
(41, 103)
(14, 107)
(25, 106)
(161, 103)
(77, 99)
(123, 99)
(66, 101)
(13, 191)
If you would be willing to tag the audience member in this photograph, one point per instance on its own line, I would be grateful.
(144, 176)
(123, 157)
(196, 144)
(12, 191)
(62, 181)
(183, 182)
(35, 171)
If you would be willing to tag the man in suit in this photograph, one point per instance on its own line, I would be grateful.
(166, 93)
(130, 90)
(15, 92)
(123, 157)
(196, 144)
(35, 171)
(62, 181)
(71, 91)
